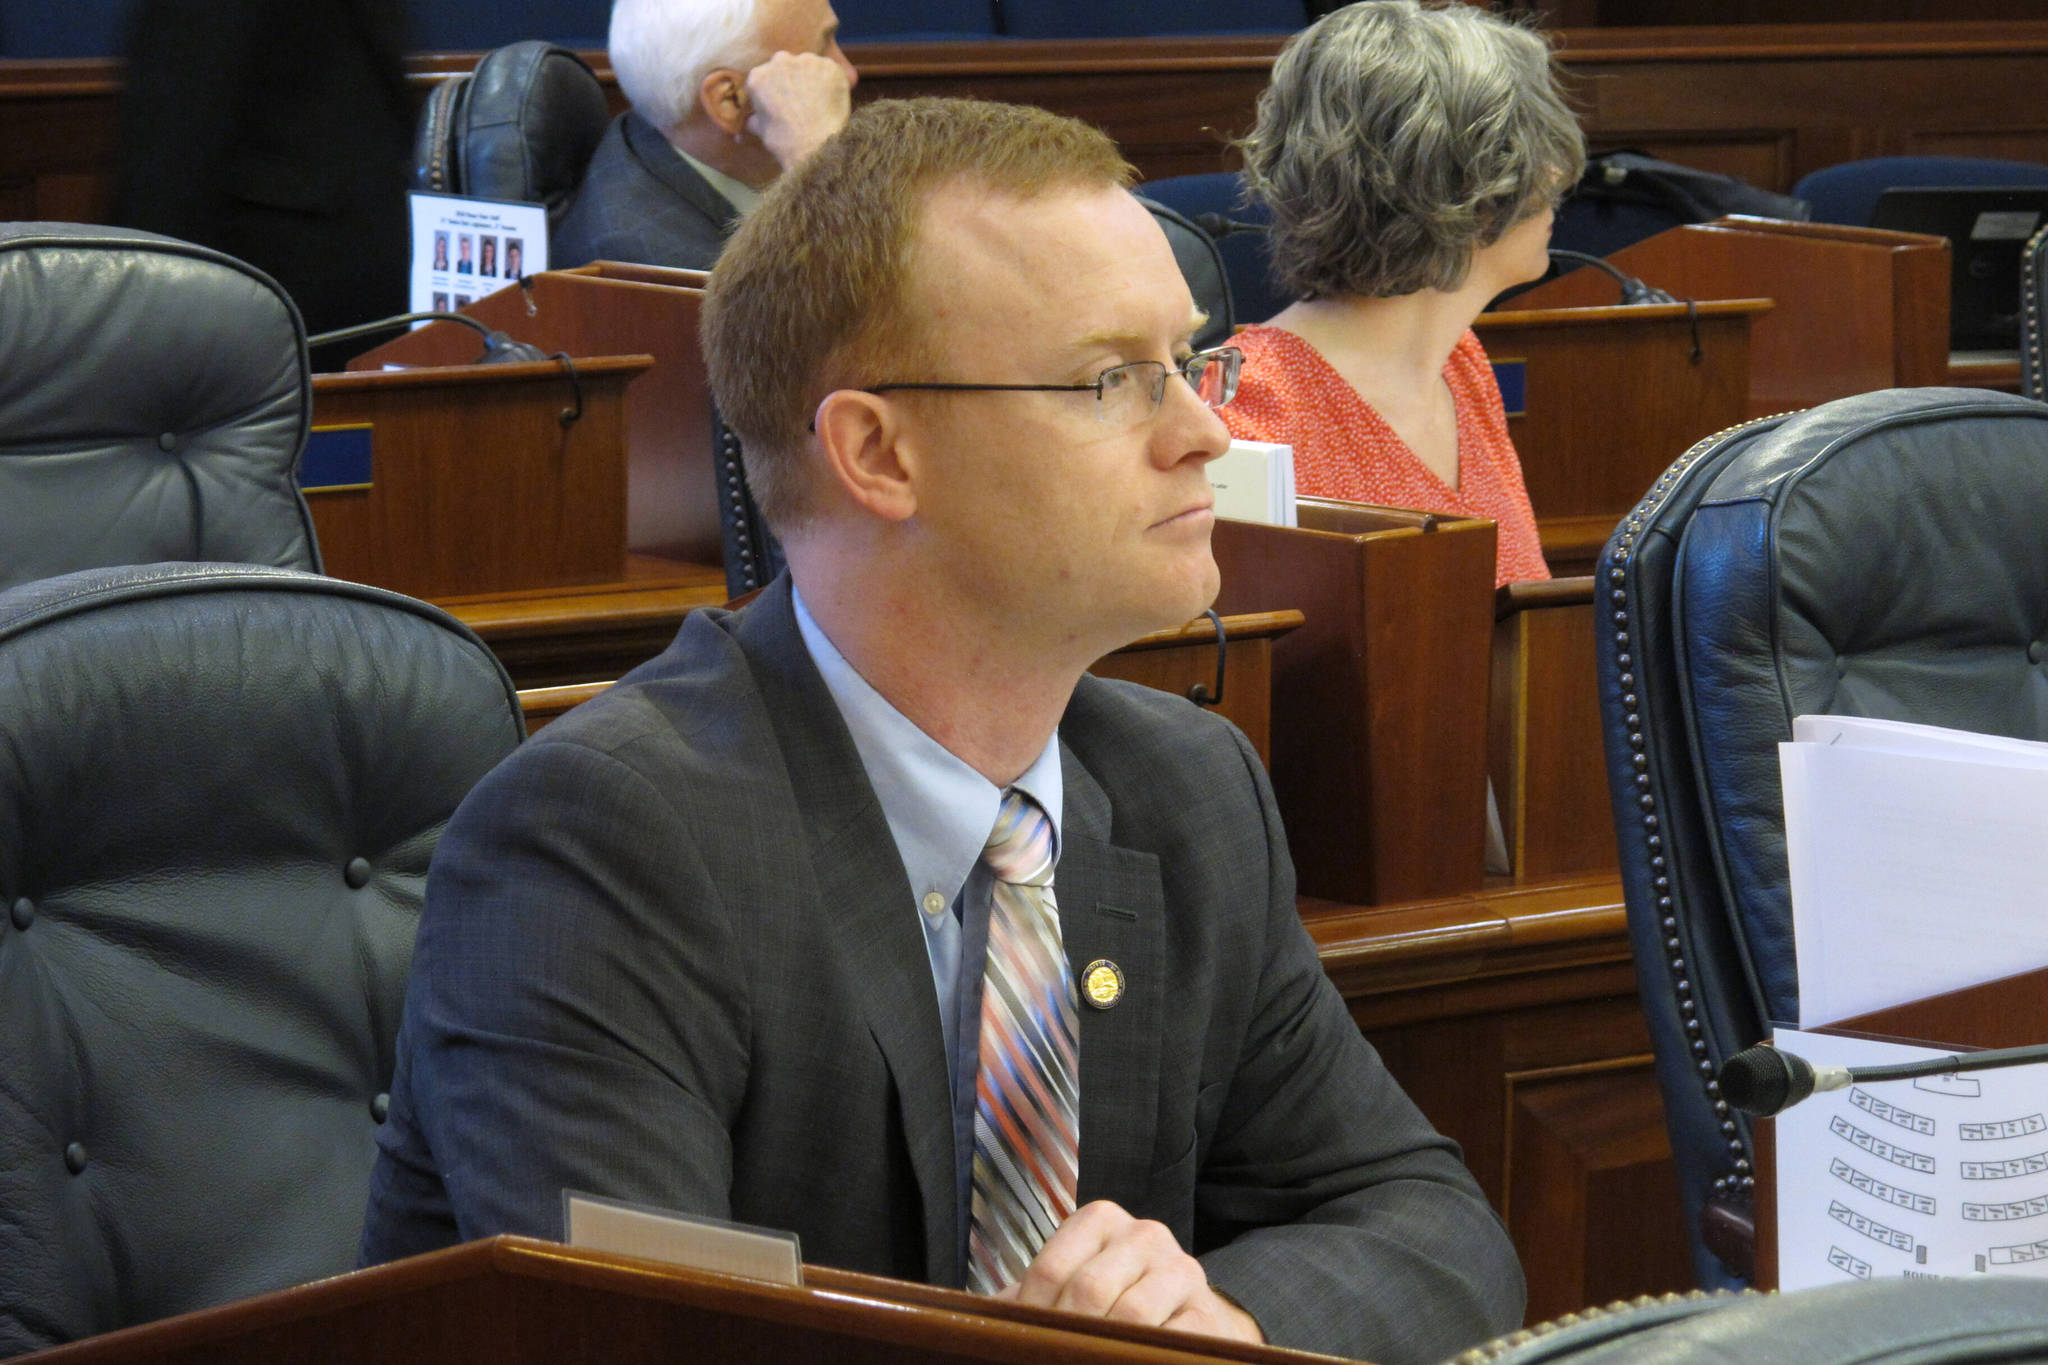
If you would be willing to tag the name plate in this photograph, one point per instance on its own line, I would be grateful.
(681, 1239)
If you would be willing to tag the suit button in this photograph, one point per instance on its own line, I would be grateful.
(380, 1108)
(357, 873)
(24, 913)
(74, 1158)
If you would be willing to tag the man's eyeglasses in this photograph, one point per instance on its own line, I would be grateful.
(1127, 394)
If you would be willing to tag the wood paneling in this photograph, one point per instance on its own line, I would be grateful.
(1544, 750)
(1770, 102)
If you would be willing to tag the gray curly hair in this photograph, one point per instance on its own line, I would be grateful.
(1398, 138)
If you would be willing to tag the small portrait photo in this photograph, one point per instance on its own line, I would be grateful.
(465, 256)
(487, 255)
(462, 301)
(440, 302)
(515, 264)
(440, 251)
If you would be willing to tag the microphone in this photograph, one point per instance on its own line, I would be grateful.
(1633, 290)
(498, 347)
(1762, 1080)
(1221, 225)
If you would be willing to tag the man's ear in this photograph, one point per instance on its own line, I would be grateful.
(863, 440)
(723, 97)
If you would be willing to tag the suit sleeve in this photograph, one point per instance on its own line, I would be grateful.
(1333, 1212)
(577, 1018)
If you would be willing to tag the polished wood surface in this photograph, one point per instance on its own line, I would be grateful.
(613, 309)
(478, 483)
(1510, 1016)
(1857, 309)
(1544, 750)
(1769, 102)
(517, 1301)
(573, 635)
(1612, 395)
(1169, 660)
(1379, 701)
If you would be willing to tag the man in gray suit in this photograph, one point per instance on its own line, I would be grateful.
(726, 95)
(725, 939)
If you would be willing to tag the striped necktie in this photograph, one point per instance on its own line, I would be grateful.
(1026, 1115)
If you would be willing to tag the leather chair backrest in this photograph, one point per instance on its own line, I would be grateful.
(154, 401)
(219, 789)
(753, 556)
(1879, 555)
(1883, 1322)
(1201, 265)
(1848, 192)
(522, 126)
(2034, 317)
(1247, 262)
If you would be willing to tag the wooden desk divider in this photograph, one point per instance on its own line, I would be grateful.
(1857, 308)
(1610, 397)
(473, 481)
(1544, 749)
(1379, 700)
(615, 308)
(1170, 660)
(517, 1301)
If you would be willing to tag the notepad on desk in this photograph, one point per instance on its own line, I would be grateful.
(1254, 481)
(1914, 860)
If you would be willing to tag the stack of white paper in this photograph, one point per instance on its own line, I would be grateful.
(1254, 481)
(1915, 861)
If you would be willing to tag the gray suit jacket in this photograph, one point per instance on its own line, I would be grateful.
(670, 955)
(640, 201)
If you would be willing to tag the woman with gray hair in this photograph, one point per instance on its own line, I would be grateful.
(1411, 156)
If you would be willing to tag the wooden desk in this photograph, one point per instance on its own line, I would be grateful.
(1510, 1016)
(478, 483)
(1170, 660)
(1612, 396)
(516, 1301)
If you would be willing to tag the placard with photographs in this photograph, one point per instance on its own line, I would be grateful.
(464, 248)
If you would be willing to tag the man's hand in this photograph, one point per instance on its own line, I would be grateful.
(795, 101)
(1107, 1264)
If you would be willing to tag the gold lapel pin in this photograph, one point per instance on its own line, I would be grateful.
(1102, 985)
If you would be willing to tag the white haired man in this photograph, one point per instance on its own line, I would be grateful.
(726, 95)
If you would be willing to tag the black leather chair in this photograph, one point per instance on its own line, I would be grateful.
(1218, 197)
(1881, 555)
(219, 788)
(522, 126)
(2033, 311)
(154, 401)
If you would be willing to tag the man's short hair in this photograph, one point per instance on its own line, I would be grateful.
(1396, 139)
(811, 294)
(661, 51)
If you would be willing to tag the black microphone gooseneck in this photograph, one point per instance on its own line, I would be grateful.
(498, 348)
(1633, 290)
(1763, 1080)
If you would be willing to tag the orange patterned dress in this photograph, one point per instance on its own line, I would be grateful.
(1343, 449)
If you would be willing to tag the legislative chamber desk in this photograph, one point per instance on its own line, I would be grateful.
(515, 1301)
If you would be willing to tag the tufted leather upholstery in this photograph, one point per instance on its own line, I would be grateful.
(219, 788)
(522, 127)
(2034, 316)
(1880, 555)
(154, 400)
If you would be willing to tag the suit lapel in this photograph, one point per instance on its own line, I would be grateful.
(868, 915)
(664, 163)
(1112, 908)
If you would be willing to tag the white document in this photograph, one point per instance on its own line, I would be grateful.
(463, 248)
(1915, 862)
(1947, 1175)
(1254, 481)
(680, 1239)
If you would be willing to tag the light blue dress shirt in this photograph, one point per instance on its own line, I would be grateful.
(940, 813)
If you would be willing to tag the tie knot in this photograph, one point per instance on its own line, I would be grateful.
(1019, 848)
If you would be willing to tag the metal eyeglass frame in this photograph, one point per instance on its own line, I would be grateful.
(1193, 369)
